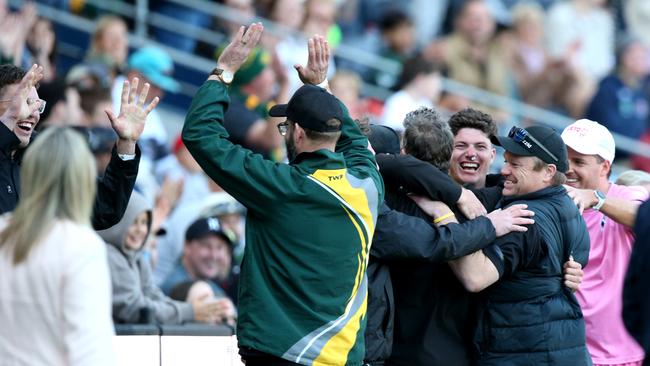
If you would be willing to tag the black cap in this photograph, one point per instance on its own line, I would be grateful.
(384, 140)
(204, 227)
(556, 149)
(311, 107)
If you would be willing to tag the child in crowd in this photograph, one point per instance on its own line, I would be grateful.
(135, 297)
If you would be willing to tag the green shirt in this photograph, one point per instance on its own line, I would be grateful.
(303, 285)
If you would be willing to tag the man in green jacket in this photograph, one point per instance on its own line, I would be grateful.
(303, 286)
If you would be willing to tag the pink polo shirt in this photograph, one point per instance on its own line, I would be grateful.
(601, 291)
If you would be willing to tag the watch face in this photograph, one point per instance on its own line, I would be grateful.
(227, 76)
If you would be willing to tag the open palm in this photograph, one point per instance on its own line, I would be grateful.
(129, 124)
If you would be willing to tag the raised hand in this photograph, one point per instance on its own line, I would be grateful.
(18, 108)
(241, 45)
(129, 124)
(318, 62)
(583, 198)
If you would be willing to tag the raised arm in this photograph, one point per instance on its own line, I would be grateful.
(620, 210)
(115, 187)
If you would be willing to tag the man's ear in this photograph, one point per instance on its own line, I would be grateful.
(606, 167)
(551, 169)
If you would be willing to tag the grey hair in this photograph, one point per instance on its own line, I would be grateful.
(427, 137)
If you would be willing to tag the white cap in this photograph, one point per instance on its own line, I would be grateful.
(590, 138)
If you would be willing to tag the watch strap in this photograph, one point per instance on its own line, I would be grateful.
(601, 199)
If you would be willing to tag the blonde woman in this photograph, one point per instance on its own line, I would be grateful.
(55, 305)
(110, 42)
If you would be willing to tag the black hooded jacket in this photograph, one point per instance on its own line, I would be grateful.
(113, 189)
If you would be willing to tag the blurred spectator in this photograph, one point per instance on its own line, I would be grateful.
(428, 17)
(639, 161)
(634, 178)
(472, 54)
(320, 17)
(14, 28)
(346, 85)
(397, 43)
(170, 246)
(63, 107)
(191, 291)
(110, 44)
(543, 81)
(41, 46)
(247, 120)
(181, 166)
(586, 28)
(94, 101)
(636, 14)
(621, 102)
(55, 279)
(133, 290)
(193, 17)
(207, 256)
(418, 85)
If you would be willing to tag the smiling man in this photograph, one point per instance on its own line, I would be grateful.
(473, 152)
(528, 316)
(20, 112)
(609, 211)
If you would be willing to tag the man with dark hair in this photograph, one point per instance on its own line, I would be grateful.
(20, 109)
(473, 152)
(527, 316)
(431, 322)
(418, 86)
(303, 285)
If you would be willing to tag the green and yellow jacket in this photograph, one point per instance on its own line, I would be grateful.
(303, 285)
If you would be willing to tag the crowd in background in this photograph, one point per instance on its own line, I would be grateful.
(178, 247)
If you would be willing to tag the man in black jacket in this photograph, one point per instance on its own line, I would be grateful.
(402, 237)
(528, 316)
(20, 109)
(636, 297)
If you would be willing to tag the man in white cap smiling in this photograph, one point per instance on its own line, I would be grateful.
(609, 212)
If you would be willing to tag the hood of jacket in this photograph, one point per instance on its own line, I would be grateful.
(116, 234)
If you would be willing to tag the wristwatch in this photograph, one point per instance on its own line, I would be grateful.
(223, 75)
(601, 200)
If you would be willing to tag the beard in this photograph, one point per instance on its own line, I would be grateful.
(291, 149)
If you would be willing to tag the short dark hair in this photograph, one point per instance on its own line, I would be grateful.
(318, 136)
(427, 137)
(393, 19)
(10, 74)
(472, 118)
(413, 67)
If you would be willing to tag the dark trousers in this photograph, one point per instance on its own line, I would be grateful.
(253, 357)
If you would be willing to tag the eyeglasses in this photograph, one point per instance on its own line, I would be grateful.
(283, 128)
(524, 138)
(41, 105)
(30, 102)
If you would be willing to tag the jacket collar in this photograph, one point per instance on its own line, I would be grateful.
(319, 159)
(544, 192)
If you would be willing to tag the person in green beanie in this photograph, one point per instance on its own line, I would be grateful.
(253, 93)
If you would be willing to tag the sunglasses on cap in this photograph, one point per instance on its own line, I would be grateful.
(527, 140)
